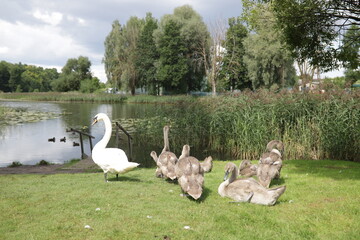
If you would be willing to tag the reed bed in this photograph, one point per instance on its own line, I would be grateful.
(311, 126)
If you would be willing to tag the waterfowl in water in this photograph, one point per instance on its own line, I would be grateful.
(247, 169)
(110, 160)
(75, 144)
(247, 189)
(51, 139)
(269, 167)
(167, 160)
(63, 139)
(190, 174)
(207, 164)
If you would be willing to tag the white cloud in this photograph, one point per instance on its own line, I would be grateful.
(4, 50)
(99, 72)
(53, 18)
(48, 33)
(44, 44)
(77, 20)
(334, 73)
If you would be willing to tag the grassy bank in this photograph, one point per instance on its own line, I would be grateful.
(321, 202)
(64, 96)
(95, 97)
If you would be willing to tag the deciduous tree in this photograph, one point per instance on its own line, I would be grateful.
(74, 71)
(267, 58)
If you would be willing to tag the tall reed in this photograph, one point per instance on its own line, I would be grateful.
(311, 126)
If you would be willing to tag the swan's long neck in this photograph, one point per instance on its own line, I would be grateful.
(233, 175)
(185, 152)
(106, 138)
(224, 184)
(221, 189)
(276, 151)
(166, 140)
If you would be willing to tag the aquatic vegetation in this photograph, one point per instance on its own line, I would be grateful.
(13, 116)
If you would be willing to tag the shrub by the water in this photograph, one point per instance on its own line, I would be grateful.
(15, 164)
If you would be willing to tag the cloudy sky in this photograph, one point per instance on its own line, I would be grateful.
(49, 32)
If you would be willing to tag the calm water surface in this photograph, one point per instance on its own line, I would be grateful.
(28, 143)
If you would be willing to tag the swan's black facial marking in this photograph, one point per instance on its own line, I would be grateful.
(95, 120)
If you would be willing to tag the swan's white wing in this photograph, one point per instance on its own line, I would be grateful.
(122, 167)
(112, 155)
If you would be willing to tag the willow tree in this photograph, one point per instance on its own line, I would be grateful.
(120, 54)
(266, 56)
(114, 54)
(195, 37)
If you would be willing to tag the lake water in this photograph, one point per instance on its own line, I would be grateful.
(28, 143)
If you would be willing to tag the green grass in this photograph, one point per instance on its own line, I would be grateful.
(321, 202)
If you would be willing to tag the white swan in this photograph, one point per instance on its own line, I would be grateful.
(110, 160)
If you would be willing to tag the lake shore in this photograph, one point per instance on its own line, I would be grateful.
(83, 166)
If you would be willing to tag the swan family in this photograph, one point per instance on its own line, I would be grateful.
(188, 171)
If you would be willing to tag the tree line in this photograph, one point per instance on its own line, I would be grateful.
(180, 53)
(74, 76)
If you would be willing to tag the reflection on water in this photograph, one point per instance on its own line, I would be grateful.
(28, 143)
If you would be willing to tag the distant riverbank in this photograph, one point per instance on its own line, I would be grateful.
(93, 97)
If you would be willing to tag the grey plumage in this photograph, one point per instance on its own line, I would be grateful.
(247, 189)
(190, 174)
(275, 144)
(166, 160)
(247, 169)
(269, 167)
(207, 164)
